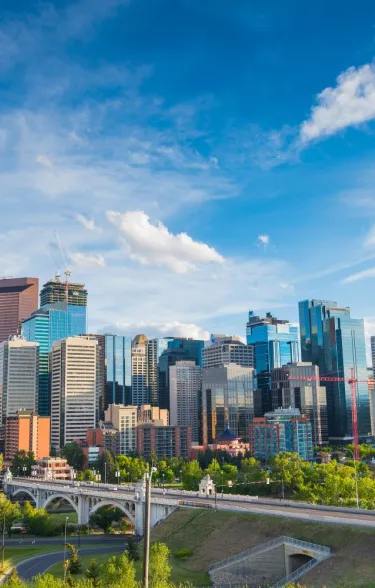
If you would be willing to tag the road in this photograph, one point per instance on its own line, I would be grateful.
(40, 564)
(25, 541)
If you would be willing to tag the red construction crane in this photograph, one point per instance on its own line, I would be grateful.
(353, 388)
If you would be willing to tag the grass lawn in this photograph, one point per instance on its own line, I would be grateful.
(60, 517)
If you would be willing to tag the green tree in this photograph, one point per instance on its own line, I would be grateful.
(191, 475)
(160, 570)
(38, 521)
(74, 563)
(22, 462)
(120, 571)
(105, 516)
(133, 549)
(93, 573)
(74, 455)
(106, 466)
(9, 513)
(86, 476)
(14, 580)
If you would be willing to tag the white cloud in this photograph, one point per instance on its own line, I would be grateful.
(44, 160)
(369, 273)
(264, 239)
(87, 223)
(154, 244)
(370, 238)
(87, 259)
(156, 329)
(351, 102)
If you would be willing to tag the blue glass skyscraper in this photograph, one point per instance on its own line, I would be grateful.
(118, 369)
(333, 340)
(275, 344)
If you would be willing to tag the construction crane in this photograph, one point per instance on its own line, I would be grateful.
(67, 270)
(353, 388)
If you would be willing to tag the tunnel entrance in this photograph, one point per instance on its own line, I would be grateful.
(297, 560)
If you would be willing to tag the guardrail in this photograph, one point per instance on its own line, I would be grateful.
(297, 573)
(324, 551)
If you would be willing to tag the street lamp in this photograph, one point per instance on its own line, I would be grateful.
(65, 562)
(98, 478)
(24, 469)
(163, 482)
(355, 474)
(118, 474)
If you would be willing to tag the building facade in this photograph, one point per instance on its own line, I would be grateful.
(224, 350)
(163, 442)
(19, 368)
(149, 414)
(47, 325)
(74, 296)
(281, 431)
(227, 400)
(333, 340)
(139, 371)
(291, 390)
(185, 383)
(74, 390)
(275, 344)
(28, 432)
(179, 349)
(373, 356)
(52, 468)
(118, 370)
(154, 349)
(124, 419)
(18, 299)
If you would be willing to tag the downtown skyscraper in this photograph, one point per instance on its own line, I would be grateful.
(334, 341)
(18, 299)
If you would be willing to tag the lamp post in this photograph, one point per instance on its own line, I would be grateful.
(118, 474)
(65, 563)
(98, 478)
(356, 477)
(24, 469)
(163, 483)
(105, 472)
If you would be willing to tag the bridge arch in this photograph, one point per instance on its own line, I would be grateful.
(53, 497)
(24, 491)
(115, 504)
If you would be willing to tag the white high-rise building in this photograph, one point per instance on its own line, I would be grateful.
(185, 384)
(373, 354)
(124, 419)
(139, 371)
(74, 389)
(19, 374)
(224, 350)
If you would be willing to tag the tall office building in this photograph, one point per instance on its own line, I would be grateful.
(334, 341)
(224, 349)
(118, 370)
(373, 355)
(139, 371)
(185, 378)
(55, 320)
(26, 431)
(227, 399)
(18, 299)
(19, 362)
(74, 389)
(124, 420)
(154, 349)
(275, 344)
(156, 439)
(179, 349)
(281, 431)
(290, 390)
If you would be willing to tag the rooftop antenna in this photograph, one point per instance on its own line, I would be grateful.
(67, 270)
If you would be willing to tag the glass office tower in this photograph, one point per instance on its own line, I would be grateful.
(118, 362)
(275, 344)
(333, 340)
(47, 325)
(179, 349)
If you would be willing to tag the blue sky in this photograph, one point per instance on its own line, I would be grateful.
(196, 158)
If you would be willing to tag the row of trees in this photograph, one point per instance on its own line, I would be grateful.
(117, 572)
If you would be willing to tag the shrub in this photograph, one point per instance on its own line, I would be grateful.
(185, 552)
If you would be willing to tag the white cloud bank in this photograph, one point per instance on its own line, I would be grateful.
(155, 245)
(350, 103)
(160, 329)
(88, 259)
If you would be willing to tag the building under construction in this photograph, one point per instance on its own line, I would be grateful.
(56, 291)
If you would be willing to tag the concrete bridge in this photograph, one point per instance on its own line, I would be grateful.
(85, 499)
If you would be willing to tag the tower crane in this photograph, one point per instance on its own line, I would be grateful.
(353, 388)
(67, 270)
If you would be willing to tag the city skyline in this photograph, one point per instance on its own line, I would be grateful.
(174, 164)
